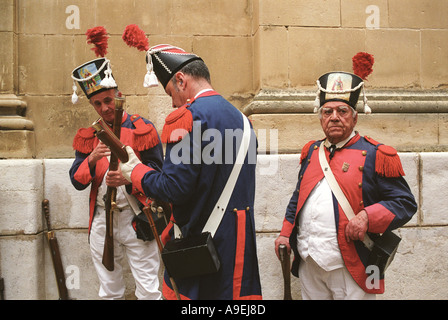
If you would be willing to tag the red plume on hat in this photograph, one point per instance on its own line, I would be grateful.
(362, 64)
(133, 36)
(362, 67)
(98, 36)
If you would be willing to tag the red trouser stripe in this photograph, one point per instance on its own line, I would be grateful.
(239, 255)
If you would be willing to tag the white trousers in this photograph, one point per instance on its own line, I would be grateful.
(142, 256)
(338, 284)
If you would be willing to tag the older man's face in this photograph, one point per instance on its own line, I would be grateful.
(337, 121)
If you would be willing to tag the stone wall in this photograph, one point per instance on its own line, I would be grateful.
(419, 270)
(264, 56)
(251, 46)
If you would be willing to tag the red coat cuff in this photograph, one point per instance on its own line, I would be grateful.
(137, 175)
(286, 229)
(379, 218)
(83, 175)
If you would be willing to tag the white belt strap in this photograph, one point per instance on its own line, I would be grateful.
(338, 193)
(219, 209)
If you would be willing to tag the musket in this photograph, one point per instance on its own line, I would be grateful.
(286, 268)
(160, 210)
(106, 136)
(55, 253)
(111, 193)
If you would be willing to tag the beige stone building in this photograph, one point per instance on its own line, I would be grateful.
(264, 56)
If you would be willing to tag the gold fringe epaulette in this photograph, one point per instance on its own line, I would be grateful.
(84, 140)
(387, 161)
(144, 136)
(177, 125)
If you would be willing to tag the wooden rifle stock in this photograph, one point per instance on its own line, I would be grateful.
(286, 269)
(148, 214)
(111, 194)
(106, 136)
(55, 253)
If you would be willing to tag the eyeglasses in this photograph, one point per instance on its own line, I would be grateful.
(342, 111)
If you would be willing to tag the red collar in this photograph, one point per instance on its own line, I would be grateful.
(207, 93)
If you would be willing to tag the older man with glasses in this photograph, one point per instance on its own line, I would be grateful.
(331, 258)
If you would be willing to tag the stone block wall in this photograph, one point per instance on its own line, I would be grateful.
(419, 270)
(264, 56)
(250, 46)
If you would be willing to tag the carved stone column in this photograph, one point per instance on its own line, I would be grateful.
(16, 132)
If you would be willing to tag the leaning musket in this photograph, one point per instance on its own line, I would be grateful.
(111, 194)
(55, 253)
(286, 269)
(147, 210)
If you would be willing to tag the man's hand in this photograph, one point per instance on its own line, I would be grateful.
(100, 151)
(115, 179)
(282, 240)
(127, 167)
(357, 227)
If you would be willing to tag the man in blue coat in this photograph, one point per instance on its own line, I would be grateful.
(202, 138)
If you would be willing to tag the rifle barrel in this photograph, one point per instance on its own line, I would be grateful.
(286, 269)
(108, 252)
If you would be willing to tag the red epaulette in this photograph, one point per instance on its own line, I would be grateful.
(387, 162)
(145, 135)
(84, 140)
(177, 125)
(305, 150)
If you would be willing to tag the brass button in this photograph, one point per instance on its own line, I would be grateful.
(360, 184)
(361, 203)
(315, 147)
(361, 168)
(364, 152)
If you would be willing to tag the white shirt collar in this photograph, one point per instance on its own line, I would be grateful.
(341, 143)
(201, 92)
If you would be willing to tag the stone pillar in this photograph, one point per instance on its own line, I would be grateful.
(16, 132)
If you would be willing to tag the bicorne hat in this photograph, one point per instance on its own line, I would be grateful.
(94, 76)
(166, 60)
(162, 61)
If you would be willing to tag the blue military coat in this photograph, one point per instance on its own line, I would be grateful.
(200, 152)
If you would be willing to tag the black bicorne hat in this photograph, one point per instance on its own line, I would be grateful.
(165, 60)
